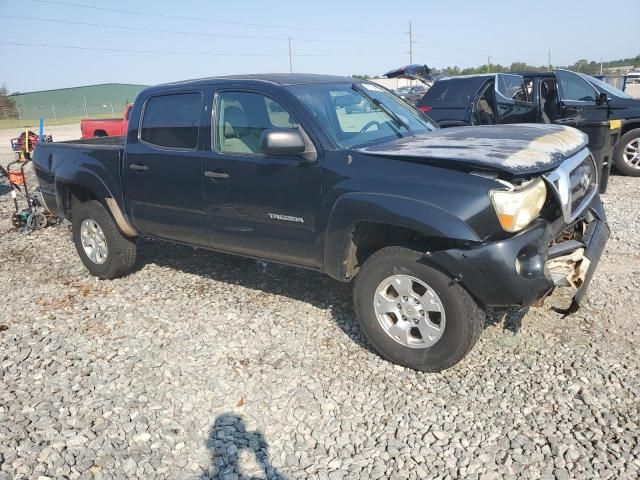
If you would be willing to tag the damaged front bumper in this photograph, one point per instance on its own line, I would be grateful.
(524, 269)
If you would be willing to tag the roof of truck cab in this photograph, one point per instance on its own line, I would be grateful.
(273, 78)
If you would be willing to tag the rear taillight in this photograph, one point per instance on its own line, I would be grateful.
(424, 109)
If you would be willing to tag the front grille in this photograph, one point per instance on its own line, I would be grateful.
(574, 183)
(582, 182)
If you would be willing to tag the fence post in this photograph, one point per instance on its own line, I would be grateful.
(20, 117)
(112, 112)
(53, 107)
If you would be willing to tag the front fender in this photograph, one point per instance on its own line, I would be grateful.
(386, 209)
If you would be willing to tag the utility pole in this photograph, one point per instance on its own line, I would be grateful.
(600, 66)
(488, 63)
(290, 58)
(411, 42)
(549, 59)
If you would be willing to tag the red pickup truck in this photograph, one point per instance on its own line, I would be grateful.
(106, 127)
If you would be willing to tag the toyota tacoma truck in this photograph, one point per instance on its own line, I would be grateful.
(433, 227)
(106, 127)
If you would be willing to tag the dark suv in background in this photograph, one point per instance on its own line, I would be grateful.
(411, 93)
(561, 97)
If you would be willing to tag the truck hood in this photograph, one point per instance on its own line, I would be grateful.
(516, 149)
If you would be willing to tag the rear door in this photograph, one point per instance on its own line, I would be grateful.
(449, 102)
(578, 98)
(514, 99)
(163, 168)
(259, 205)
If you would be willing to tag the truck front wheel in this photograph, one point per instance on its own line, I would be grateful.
(104, 251)
(413, 314)
(626, 155)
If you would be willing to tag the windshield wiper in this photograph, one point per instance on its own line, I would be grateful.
(396, 119)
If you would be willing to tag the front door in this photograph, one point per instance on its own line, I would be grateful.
(163, 169)
(259, 205)
(578, 98)
(514, 99)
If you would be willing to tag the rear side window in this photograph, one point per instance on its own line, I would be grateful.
(172, 120)
(450, 94)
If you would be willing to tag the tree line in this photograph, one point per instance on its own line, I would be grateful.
(582, 66)
(8, 107)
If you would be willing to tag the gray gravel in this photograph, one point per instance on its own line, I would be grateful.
(199, 365)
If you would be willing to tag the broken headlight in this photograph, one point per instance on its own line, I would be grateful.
(518, 207)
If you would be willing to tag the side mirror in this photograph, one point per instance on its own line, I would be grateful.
(282, 141)
(602, 98)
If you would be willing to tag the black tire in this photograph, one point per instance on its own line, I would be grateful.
(121, 251)
(618, 151)
(464, 318)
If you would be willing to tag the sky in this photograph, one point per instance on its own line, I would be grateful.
(176, 40)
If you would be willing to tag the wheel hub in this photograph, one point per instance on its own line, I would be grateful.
(409, 311)
(631, 154)
(93, 241)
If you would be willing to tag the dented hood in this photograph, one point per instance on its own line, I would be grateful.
(517, 149)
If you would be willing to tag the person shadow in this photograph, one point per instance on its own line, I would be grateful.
(238, 453)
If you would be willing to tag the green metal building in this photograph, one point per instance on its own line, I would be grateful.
(104, 100)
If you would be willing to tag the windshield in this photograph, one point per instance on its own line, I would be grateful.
(403, 90)
(605, 86)
(352, 119)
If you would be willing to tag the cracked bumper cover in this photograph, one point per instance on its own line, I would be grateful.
(488, 271)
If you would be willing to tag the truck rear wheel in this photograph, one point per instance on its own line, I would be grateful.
(413, 314)
(104, 251)
(626, 155)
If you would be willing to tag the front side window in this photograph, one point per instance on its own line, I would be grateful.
(172, 120)
(573, 87)
(355, 115)
(514, 87)
(241, 119)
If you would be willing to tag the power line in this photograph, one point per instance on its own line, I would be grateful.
(176, 52)
(209, 20)
(182, 32)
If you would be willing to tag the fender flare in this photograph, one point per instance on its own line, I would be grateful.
(386, 209)
(90, 180)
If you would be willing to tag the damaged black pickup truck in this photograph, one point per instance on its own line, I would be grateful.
(432, 226)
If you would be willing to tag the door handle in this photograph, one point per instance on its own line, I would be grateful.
(216, 175)
(138, 167)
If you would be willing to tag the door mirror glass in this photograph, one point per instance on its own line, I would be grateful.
(281, 141)
(575, 88)
(602, 98)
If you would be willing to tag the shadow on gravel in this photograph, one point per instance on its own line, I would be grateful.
(511, 318)
(299, 284)
(230, 444)
(315, 288)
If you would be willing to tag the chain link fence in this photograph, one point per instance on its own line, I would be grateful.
(28, 115)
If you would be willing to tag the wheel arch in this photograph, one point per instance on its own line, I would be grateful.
(629, 125)
(83, 185)
(362, 223)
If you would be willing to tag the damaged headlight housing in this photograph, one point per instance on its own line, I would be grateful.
(518, 207)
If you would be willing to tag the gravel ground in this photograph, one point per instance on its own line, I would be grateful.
(200, 365)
